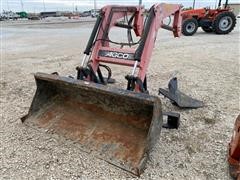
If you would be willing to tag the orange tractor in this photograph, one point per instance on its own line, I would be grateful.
(220, 20)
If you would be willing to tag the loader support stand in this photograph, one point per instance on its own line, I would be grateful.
(178, 98)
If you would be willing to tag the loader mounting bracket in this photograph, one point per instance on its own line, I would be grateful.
(178, 98)
(84, 72)
(133, 81)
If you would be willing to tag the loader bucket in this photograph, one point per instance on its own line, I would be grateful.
(116, 125)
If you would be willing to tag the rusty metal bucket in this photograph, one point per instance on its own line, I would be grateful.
(119, 126)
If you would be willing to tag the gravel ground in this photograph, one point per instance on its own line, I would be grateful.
(207, 66)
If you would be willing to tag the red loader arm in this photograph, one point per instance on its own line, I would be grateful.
(99, 50)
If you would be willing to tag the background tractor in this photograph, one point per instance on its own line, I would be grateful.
(220, 20)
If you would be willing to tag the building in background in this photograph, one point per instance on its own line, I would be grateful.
(50, 14)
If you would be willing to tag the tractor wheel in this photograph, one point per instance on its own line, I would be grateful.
(224, 23)
(207, 29)
(189, 27)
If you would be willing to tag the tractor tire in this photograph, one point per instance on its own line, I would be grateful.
(207, 29)
(224, 23)
(189, 27)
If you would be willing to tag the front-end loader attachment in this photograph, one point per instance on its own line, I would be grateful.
(119, 126)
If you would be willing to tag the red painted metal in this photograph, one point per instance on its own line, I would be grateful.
(115, 16)
(161, 11)
(202, 13)
(234, 151)
(115, 60)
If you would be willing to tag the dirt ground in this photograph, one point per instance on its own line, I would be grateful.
(207, 66)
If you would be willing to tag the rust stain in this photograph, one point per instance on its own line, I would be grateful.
(136, 120)
(46, 118)
(115, 136)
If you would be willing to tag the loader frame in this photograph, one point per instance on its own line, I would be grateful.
(98, 49)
